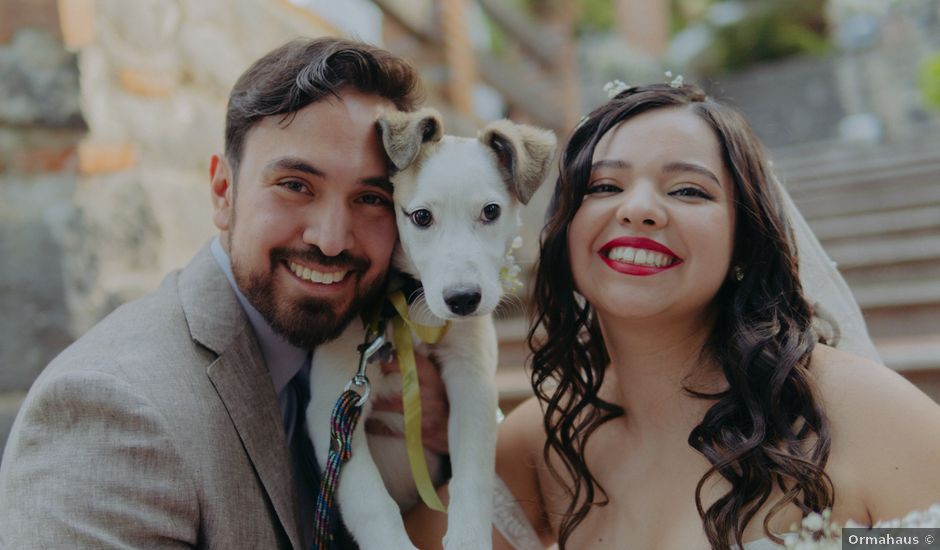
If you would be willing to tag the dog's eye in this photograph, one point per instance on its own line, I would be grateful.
(491, 212)
(422, 217)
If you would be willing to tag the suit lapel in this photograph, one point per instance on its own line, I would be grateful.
(238, 375)
(242, 380)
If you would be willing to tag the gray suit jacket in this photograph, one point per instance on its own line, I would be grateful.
(157, 429)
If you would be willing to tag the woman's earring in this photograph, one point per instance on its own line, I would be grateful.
(738, 272)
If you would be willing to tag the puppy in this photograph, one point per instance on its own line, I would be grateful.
(457, 203)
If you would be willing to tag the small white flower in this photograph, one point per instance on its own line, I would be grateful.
(509, 272)
(813, 522)
(676, 82)
(615, 87)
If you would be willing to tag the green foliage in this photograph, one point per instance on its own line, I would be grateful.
(772, 29)
(499, 44)
(930, 80)
(596, 16)
(685, 12)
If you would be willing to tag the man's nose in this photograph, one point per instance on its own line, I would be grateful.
(642, 206)
(330, 228)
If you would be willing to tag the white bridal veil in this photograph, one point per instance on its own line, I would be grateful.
(838, 314)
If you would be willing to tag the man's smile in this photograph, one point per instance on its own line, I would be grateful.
(318, 276)
(314, 276)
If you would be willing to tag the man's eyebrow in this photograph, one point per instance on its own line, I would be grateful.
(615, 164)
(292, 164)
(381, 182)
(674, 167)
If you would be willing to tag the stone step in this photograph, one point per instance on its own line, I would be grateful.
(882, 196)
(883, 250)
(513, 348)
(898, 293)
(514, 387)
(853, 226)
(512, 378)
(893, 274)
(910, 354)
(859, 173)
(826, 157)
(916, 358)
(903, 320)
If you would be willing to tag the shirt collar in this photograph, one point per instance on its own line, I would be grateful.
(284, 360)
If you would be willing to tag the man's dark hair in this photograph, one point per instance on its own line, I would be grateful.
(304, 71)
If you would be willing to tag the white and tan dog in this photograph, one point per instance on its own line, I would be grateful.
(457, 203)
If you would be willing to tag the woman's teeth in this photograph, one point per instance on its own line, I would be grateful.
(639, 256)
(308, 274)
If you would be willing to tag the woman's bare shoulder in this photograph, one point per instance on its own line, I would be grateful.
(852, 386)
(521, 439)
(885, 433)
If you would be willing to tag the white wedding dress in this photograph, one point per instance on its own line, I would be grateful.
(511, 522)
(838, 318)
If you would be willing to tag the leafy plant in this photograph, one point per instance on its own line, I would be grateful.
(930, 80)
(768, 30)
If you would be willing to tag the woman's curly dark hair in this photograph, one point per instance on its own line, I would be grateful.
(767, 430)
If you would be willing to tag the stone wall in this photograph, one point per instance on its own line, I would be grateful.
(40, 128)
(109, 113)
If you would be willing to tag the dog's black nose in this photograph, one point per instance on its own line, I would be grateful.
(463, 301)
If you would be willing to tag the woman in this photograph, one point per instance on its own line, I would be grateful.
(684, 396)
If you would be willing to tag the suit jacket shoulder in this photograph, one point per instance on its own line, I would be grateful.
(159, 427)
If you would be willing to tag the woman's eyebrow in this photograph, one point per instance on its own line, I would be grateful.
(611, 163)
(674, 167)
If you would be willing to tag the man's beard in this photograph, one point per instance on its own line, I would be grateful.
(308, 322)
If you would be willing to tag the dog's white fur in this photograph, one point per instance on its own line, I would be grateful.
(453, 178)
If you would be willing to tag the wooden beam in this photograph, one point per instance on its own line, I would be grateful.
(458, 52)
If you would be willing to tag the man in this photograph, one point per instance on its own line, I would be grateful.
(178, 420)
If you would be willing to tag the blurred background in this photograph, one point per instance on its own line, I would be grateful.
(110, 110)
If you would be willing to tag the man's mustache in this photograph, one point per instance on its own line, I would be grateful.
(314, 255)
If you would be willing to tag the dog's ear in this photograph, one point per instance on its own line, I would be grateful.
(524, 154)
(403, 134)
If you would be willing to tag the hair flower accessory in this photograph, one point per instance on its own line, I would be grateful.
(615, 88)
(675, 82)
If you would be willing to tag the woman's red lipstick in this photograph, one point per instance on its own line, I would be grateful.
(640, 243)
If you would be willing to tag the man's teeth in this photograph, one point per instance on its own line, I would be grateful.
(316, 276)
(639, 256)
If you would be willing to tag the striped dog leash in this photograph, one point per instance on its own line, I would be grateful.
(343, 421)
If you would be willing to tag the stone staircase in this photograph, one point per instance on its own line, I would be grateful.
(876, 210)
